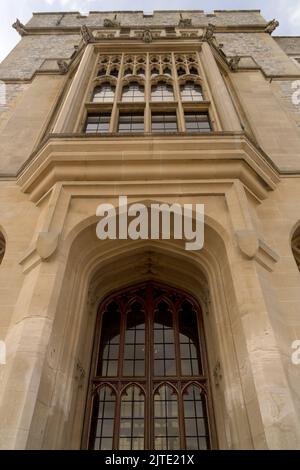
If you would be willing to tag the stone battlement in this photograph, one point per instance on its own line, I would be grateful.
(140, 18)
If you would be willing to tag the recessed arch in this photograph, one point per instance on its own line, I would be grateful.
(295, 243)
(96, 270)
(2, 246)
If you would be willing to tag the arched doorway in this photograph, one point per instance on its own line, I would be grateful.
(149, 374)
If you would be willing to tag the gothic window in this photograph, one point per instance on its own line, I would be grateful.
(128, 71)
(140, 71)
(296, 247)
(167, 71)
(181, 71)
(97, 123)
(2, 247)
(190, 91)
(162, 92)
(104, 93)
(193, 71)
(132, 419)
(149, 389)
(197, 122)
(133, 92)
(131, 122)
(131, 85)
(154, 71)
(164, 122)
(102, 72)
(114, 72)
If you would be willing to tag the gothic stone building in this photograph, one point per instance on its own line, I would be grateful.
(123, 344)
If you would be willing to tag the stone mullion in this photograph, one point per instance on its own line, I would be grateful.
(180, 111)
(147, 95)
(118, 96)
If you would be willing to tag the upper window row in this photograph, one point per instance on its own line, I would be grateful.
(134, 91)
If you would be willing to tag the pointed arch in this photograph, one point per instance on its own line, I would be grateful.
(2, 246)
(296, 246)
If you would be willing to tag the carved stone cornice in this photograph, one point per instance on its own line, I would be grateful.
(207, 157)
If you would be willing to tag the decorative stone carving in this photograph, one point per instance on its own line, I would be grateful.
(209, 33)
(147, 36)
(184, 22)
(108, 23)
(218, 374)
(19, 27)
(63, 66)
(47, 244)
(148, 264)
(271, 26)
(79, 374)
(189, 34)
(207, 301)
(86, 34)
(92, 299)
(233, 62)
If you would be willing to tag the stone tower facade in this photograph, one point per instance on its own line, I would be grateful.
(172, 107)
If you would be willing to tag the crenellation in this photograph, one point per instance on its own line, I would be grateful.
(139, 18)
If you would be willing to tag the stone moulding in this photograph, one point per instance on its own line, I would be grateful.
(211, 157)
(255, 248)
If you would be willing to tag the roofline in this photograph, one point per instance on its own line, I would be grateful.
(141, 11)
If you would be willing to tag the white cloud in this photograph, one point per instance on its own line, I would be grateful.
(295, 17)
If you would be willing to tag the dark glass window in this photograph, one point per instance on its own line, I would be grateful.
(193, 71)
(164, 122)
(102, 72)
(164, 347)
(162, 92)
(132, 122)
(195, 419)
(104, 93)
(149, 389)
(132, 421)
(114, 72)
(134, 349)
(189, 341)
(133, 92)
(128, 71)
(166, 425)
(197, 122)
(97, 123)
(190, 91)
(181, 71)
(102, 427)
(154, 71)
(167, 71)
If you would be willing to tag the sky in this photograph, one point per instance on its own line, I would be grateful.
(286, 11)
